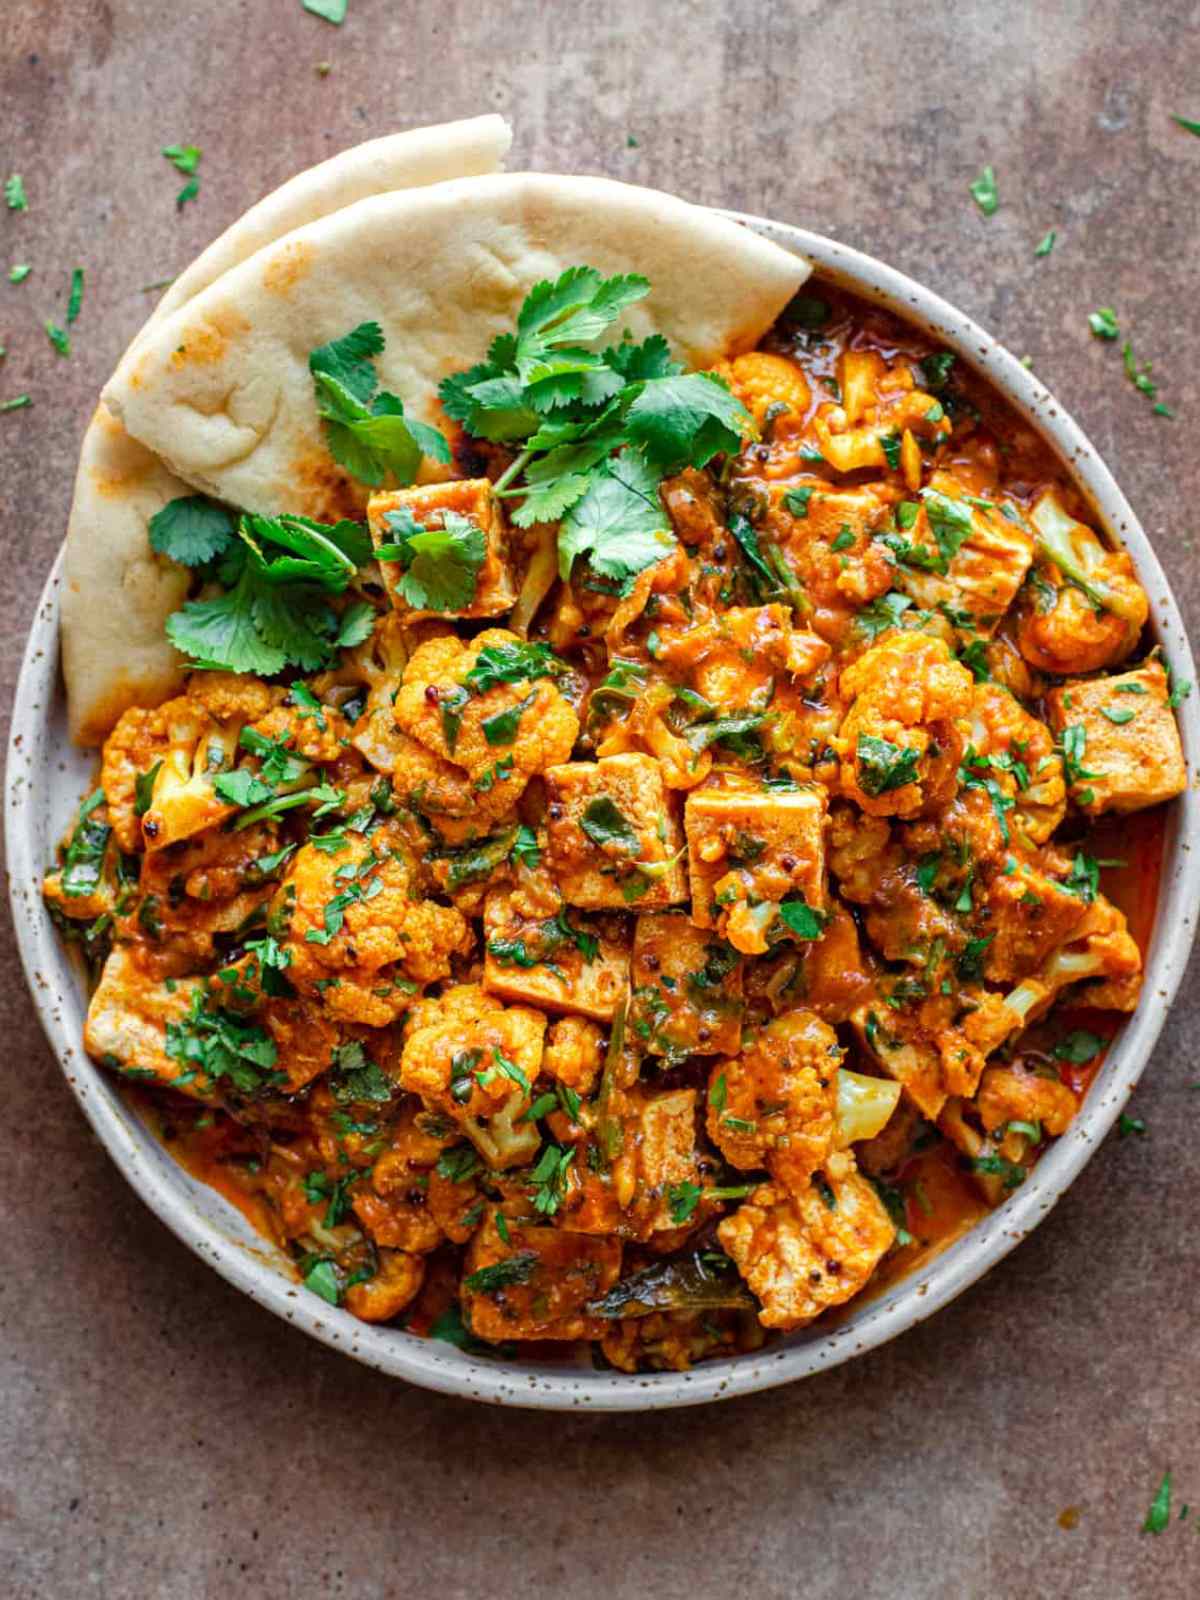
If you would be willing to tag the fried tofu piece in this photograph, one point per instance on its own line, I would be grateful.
(471, 498)
(1028, 916)
(657, 1153)
(750, 850)
(801, 1254)
(1120, 739)
(560, 963)
(612, 837)
(687, 988)
(533, 1282)
(126, 1027)
(474, 1061)
(775, 1105)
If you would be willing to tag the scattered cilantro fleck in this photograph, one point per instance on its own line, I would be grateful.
(59, 338)
(516, 662)
(884, 766)
(1079, 1046)
(19, 273)
(83, 860)
(1159, 1513)
(984, 192)
(802, 919)
(14, 193)
(1103, 323)
(1011, 1173)
(514, 1270)
(75, 301)
(330, 10)
(1047, 243)
(797, 500)
(605, 824)
(322, 1279)
(1127, 1125)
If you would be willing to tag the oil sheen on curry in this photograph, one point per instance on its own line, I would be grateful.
(679, 887)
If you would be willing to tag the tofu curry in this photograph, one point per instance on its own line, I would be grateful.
(677, 890)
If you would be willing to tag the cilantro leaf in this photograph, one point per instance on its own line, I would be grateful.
(1159, 1513)
(14, 193)
(75, 302)
(367, 433)
(184, 158)
(984, 192)
(19, 273)
(685, 420)
(518, 662)
(441, 565)
(329, 10)
(637, 362)
(604, 823)
(949, 522)
(576, 307)
(1103, 323)
(59, 338)
(192, 530)
(222, 632)
(620, 523)
(802, 919)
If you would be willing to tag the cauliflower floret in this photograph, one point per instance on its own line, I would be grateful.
(233, 696)
(394, 1286)
(1082, 607)
(474, 1061)
(1121, 741)
(775, 1105)
(901, 741)
(1021, 759)
(534, 1282)
(1100, 956)
(673, 1341)
(520, 727)
(1009, 1094)
(316, 733)
(204, 885)
(352, 915)
(574, 1053)
(184, 746)
(802, 1253)
(927, 1054)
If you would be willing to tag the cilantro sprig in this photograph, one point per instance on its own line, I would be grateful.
(365, 427)
(595, 430)
(278, 575)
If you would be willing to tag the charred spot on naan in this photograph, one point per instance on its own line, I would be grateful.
(210, 340)
(287, 266)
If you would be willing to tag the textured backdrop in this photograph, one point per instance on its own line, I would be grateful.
(159, 1436)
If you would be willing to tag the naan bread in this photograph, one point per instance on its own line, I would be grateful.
(117, 593)
(221, 390)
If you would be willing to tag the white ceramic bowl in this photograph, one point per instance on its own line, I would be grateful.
(47, 777)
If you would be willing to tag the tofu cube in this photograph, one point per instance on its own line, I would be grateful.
(583, 967)
(471, 498)
(687, 988)
(533, 1282)
(657, 1152)
(749, 850)
(1127, 754)
(612, 837)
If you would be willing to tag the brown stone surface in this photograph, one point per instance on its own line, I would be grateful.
(160, 1436)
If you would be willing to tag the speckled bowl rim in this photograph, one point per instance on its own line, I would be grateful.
(40, 765)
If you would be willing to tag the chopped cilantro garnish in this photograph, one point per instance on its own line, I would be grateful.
(1127, 1125)
(984, 192)
(331, 10)
(797, 500)
(514, 1270)
(1047, 243)
(75, 301)
(605, 824)
(322, 1279)
(1079, 1046)
(884, 766)
(1103, 323)
(14, 193)
(1010, 1172)
(1159, 1513)
(83, 860)
(517, 662)
(19, 273)
(59, 338)
(802, 919)
(184, 158)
